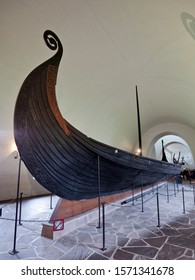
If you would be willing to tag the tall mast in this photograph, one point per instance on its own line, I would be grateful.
(164, 158)
(139, 125)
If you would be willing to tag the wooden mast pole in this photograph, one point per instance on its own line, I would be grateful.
(139, 124)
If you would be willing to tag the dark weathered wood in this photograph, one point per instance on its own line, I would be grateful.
(61, 158)
(164, 158)
(139, 124)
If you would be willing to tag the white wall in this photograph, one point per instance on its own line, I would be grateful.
(9, 172)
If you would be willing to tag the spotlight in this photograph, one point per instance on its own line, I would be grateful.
(138, 152)
(15, 154)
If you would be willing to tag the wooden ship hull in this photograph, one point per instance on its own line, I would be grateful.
(62, 159)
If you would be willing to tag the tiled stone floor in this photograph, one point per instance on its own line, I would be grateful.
(130, 232)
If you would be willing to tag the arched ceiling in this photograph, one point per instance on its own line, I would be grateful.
(109, 47)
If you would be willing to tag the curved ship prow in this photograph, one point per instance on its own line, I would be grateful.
(61, 158)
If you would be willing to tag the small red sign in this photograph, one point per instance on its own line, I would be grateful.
(58, 224)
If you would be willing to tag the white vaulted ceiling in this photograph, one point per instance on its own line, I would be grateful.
(109, 47)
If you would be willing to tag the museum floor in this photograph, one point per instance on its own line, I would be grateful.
(131, 231)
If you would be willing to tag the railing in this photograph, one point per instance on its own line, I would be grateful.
(167, 193)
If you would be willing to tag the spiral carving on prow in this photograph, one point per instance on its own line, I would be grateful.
(189, 23)
(52, 40)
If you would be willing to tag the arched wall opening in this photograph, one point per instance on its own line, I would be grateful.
(175, 148)
(178, 142)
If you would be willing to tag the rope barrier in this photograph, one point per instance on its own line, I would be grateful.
(25, 221)
(11, 201)
(190, 190)
(111, 204)
(173, 194)
(180, 192)
(129, 206)
(145, 201)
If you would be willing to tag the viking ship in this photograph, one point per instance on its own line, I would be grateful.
(61, 158)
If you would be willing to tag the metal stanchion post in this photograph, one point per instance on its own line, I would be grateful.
(158, 209)
(167, 193)
(142, 193)
(183, 201)
(51, 206)
(194, 194)
(103, 226)
(99, 194)
(177, 185)
(14, 251)
(133, 196)
(174, 186)
(20, 210)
